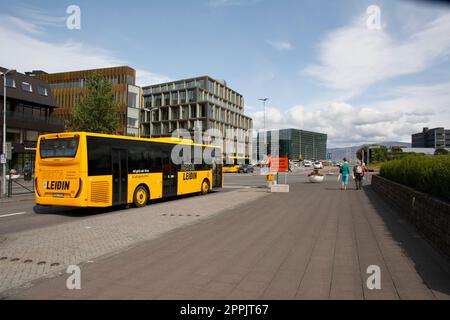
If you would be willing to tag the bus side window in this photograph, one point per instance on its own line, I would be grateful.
(99, 158)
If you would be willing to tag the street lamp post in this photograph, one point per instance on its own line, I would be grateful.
(4, 74)
(265, 134)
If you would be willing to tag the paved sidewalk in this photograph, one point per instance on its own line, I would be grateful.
(19, 197)
(313, 243)
(30, 255)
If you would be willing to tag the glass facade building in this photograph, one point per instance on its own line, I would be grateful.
(294, 144)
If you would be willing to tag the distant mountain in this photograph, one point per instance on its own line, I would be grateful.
(337, 154)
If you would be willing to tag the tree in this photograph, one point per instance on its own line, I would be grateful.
(379, 154)
(97, 109)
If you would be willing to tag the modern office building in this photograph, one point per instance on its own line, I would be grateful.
(30, 107)
(67, 87)
(437, 138)
(200, 102)
(294, 144)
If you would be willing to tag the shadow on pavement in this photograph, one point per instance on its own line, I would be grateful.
(85, 212)
(430, 264)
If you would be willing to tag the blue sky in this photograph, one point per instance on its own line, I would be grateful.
(317, 61)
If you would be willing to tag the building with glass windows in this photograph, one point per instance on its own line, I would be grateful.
(67, 87)
(437, 138)
(200, 102)
(294, 144)
(30, 107)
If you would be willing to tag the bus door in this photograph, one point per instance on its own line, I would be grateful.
(120, 176)
(217, 175)
(169, 180)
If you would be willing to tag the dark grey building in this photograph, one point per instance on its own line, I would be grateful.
(29, 113)
(200, 102)
(437, 138)
(293, 143)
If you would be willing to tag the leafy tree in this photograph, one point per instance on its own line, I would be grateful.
(97, 109)
(376, 155)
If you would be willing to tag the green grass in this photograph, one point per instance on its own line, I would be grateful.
(423, 173)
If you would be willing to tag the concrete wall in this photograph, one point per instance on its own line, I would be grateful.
(429, 215)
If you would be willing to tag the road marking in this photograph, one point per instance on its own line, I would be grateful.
(12, 214)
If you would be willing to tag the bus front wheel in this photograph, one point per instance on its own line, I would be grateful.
(205, 187)
(140, 197)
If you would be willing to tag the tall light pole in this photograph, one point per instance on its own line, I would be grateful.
(264, 104)
(265, 134)
(4, 74)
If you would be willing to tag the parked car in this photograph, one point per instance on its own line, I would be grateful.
(246, 168)
(307, 163)
(318, 165)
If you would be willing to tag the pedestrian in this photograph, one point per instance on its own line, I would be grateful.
(358, 173)
(345, 172)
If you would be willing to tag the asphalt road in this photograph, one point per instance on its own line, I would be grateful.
(20, 213)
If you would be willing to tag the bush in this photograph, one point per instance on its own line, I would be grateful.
(426, 174)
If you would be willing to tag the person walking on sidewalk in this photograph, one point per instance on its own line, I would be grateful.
(358, 172)
(345, 172)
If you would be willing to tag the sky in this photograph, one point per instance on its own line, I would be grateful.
(338, 67)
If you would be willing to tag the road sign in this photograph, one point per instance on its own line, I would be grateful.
(2, 159)
(329, 156)
(8, 151)
(279, 165)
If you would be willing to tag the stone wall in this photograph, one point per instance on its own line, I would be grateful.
(429, 215)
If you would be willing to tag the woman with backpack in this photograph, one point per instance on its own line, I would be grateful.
(358, 172)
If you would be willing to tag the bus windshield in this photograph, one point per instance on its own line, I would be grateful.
(62, 147)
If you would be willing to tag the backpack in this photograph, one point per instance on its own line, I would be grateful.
(359, 170)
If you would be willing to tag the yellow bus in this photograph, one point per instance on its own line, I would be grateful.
(80, 169)
(231, 165)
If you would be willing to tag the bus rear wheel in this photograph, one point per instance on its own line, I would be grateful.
(205, 187)
(140, 197)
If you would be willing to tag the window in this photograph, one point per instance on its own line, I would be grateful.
(13, 135)
(99, 157)
(63, 147)
(182, 97)
(31, 135)
(185, 112)
(148, 102)
(27, 87)
(165, 114)
(191, 95)
(42, 91)
(158, 100)
(10, 82)
(174, 98)
(175, 113)
(167, 99)
(201, 84)
(180, 86)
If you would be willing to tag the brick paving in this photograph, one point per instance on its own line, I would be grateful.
(30, 255)
(313, 243)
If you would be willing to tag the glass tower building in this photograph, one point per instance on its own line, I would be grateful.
(294, 144)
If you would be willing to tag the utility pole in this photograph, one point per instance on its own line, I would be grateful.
(4, 74)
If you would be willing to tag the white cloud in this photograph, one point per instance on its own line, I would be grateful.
(281, 45)
(25, 52)
(405, 111)
(353, 58)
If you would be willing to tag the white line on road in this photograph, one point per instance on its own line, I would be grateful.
(12, 214)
